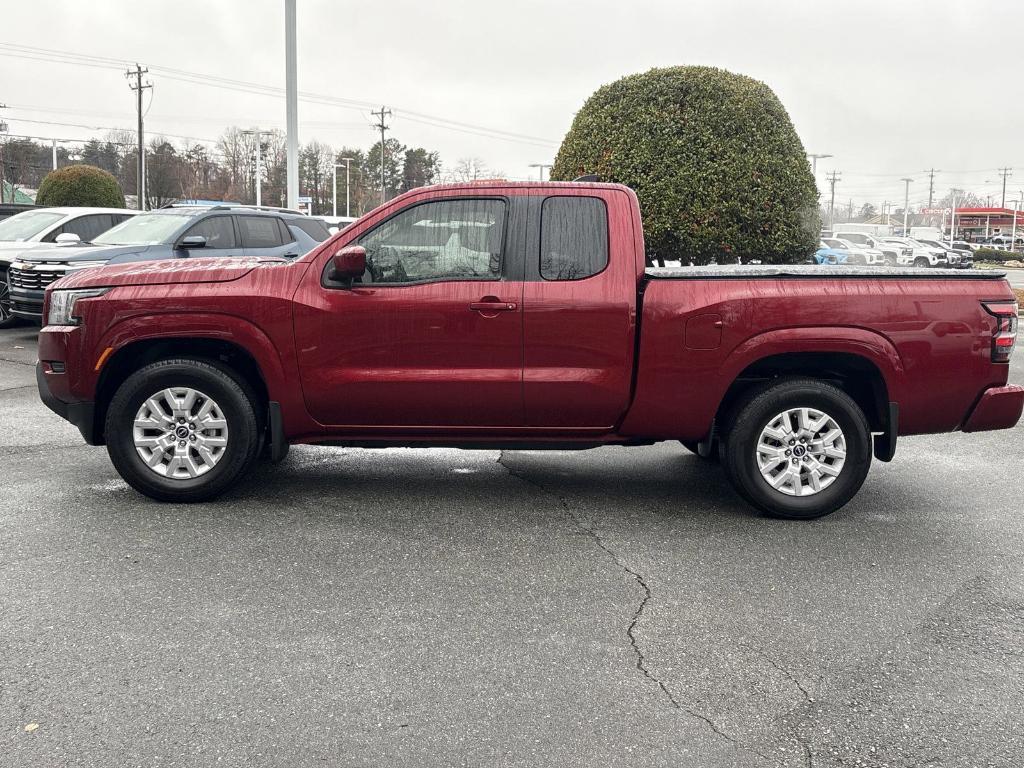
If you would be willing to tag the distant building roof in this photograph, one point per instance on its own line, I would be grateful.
(10, 194)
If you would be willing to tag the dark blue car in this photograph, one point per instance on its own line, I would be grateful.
(170, 233)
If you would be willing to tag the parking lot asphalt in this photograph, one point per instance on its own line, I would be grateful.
(611, 607)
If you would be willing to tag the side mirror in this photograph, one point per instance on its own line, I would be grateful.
(348, 264)
(68, 238)
(192, 241)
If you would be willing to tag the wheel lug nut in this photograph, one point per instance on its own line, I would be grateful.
(788, 451)
(795, 462)
(181, 443)
(792, 442)
(192, 438)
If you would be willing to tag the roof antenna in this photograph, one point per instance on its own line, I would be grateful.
(586, 178)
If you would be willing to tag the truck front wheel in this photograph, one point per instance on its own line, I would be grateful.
(798, 449)
(182, 430)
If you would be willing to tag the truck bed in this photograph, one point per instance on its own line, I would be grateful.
(766, 271)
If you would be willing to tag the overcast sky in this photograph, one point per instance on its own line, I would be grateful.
(889, 88)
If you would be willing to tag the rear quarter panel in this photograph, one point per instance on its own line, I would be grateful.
(930, 339)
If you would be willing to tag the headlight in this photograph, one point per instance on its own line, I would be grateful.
(62, 305)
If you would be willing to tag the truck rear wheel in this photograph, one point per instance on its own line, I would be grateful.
(798, 449)
(182, 430)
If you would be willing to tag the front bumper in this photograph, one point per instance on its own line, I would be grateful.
(82, 415)
(998, 408)
(27, 304)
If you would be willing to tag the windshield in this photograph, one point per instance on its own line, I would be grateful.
(143, 230)
(28, 224)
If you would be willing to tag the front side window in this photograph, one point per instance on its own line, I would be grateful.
(217, 230)
(573, 238)
(442, 240)
(260, 232)
(88, 227)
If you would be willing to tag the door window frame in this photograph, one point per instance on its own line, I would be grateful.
(194, 224)
(534, 273)
(507, 264)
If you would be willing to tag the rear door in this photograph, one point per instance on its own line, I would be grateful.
(579, 305)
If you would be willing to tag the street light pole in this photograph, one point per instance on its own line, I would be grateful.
(906, 204)
(291, 104)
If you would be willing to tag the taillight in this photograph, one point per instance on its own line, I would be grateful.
(1004, 336)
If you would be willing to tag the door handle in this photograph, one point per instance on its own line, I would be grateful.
(494, 306)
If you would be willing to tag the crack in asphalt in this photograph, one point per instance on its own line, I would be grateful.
(23, 386)
(16, 362)
(641, 659)
(808, 753)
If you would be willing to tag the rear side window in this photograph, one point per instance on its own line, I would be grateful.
(573, 238)
(217, 230)
(260, 232)
(315, 228)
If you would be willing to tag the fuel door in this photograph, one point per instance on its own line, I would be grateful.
(704, 331)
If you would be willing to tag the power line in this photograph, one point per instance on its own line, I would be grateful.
(198, 78)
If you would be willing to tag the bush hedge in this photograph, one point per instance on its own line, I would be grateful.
(996, 255)
(713, 157)
(80, 185)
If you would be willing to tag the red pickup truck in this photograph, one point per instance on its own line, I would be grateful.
(504, 315)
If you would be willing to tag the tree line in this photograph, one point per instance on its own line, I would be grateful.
(227, 171)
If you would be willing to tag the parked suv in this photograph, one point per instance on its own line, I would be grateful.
(958, 258)
(892, 254)
(923, 255)
(178, 232)
(40, 228)
(856, 254)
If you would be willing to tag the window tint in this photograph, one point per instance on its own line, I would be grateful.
(260, 232)
(573, 238)
(443, 240)
(315, 228)
(88, 227)
(216, 229)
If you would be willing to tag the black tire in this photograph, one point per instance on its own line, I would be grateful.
(694, 448)
(7, 320)
(739, 453)
(234, 399)
(890, 261)
(921, 261)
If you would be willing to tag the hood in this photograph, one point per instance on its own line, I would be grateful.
(72, 253)
(165, 272)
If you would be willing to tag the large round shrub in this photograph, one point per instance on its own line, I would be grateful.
(712, 156)
(82, 185)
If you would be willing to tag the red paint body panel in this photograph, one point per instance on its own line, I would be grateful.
(616, 357)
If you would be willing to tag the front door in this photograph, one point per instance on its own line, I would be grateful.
(433, 333)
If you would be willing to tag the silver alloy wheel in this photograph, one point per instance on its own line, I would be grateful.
(801, 452)
(180, 433)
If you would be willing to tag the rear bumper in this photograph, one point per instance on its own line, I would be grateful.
(998, 408)
(82, 415)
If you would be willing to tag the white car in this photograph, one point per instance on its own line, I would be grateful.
(892, 254)
(859, 254)
(42, 227)
(922, 255)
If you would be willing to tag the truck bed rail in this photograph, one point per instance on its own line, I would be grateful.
(817, 271)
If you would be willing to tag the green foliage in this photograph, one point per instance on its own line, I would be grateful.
(713, 157)
(996, 255)
(81, 185)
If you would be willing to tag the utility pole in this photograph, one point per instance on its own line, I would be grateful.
(906, 204)
(384, 112)
(291, 105)
(3, 174)
(541, 166)
(931, 184)
(1004, 172)
(832, 179)
(140, 175)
